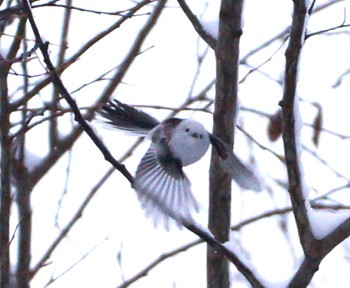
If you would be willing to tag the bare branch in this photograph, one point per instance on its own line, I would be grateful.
(109, 89)
(342, 25)
(70, 7)
(72, 266)
(279, 157)
(79, 212)
(315, 250)
(290, 130)
(58, 83)
(5, 187)
(158, 261)
(197, 25)
(284, 34)
(81, 51)
(144, 272)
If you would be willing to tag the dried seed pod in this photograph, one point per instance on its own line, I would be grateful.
(274, 130)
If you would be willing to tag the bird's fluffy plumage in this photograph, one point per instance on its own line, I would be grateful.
(162, 187)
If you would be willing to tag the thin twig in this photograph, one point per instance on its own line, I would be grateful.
(58, 83)
(120, 13)
(342, 25)
(279, 157)
(90, 43)
(80, 211)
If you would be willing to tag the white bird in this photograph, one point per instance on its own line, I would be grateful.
(160, 182)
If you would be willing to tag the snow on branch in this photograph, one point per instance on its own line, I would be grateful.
(292, 125)
(315, 248)
(211, 41)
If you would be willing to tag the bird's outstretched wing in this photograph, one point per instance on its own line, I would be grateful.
(163, 189)
(127, 118)
(244, 176)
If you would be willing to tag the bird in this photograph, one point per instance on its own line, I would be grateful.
(162, 186)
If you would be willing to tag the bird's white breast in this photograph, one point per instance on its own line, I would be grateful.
(189, 142)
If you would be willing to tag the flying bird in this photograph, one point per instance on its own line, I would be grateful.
(163, 188)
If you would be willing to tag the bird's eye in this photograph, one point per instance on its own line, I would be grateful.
(201, 136)
(187, 130)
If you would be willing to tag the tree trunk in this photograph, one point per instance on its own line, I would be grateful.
(227, 56)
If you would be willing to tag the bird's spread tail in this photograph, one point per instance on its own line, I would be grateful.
(241, 173)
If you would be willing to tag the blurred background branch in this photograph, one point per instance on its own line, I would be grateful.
(64, 215)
